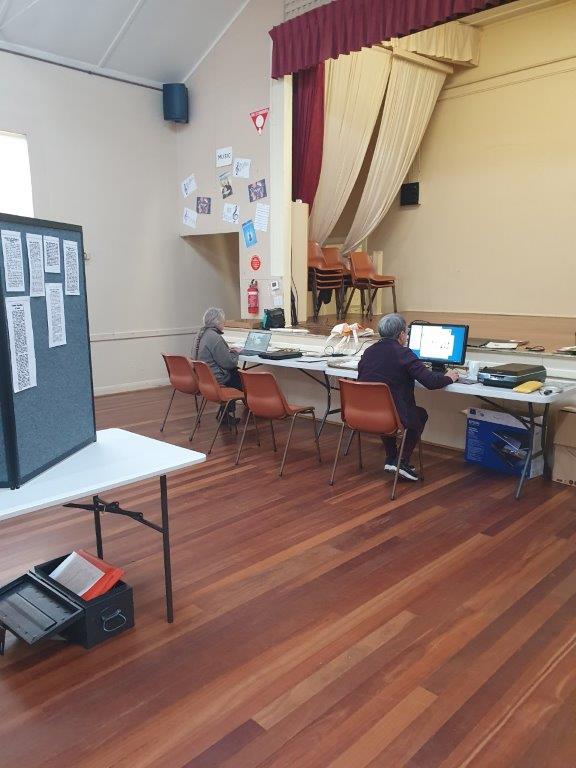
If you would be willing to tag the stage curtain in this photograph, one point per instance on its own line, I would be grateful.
(454, 42)
(355, 87)
(412, 93)
(308, 132)
(343, 26)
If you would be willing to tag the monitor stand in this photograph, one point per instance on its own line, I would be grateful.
(439, 367)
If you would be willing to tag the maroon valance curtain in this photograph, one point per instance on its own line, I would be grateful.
(343, 26)
(307, 132)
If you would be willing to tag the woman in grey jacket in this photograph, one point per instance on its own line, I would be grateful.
(211, 349)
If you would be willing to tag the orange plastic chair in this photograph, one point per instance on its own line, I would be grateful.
(212, 392)
(365, 278)
(265, 400)
(369, 407)
(323, 276)
(182, 378)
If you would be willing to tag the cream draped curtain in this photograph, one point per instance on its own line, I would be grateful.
(451, 42)
(413, 90)
(355, 87)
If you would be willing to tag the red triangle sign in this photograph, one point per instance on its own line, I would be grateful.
(259, 118)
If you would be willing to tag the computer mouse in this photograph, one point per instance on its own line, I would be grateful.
(546, 391)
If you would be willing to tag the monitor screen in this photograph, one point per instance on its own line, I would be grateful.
(258, 341)
(439, 343)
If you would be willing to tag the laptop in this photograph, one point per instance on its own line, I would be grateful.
(256, 342)
(476, 343)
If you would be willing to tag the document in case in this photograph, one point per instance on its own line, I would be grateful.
(21, 335)
(35, 247)
(51, 254)
(76, 574)
(55, 315)
(71, 268)
(13, 261)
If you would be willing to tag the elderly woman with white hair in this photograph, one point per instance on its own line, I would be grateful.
(391, 362)
(211, 349)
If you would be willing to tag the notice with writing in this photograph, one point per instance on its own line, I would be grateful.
(35, 247)
(71, 268)
(21, 335)
(51, 254)
(13, 262)
(55, 314)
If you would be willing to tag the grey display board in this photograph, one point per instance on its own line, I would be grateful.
(44, 424)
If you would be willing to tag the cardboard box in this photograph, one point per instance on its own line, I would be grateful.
(500, 442)
(564, 469)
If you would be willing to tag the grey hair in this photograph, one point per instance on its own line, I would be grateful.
(213, 317)
(391, 326)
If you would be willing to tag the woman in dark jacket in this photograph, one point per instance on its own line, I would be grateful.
(211, 349)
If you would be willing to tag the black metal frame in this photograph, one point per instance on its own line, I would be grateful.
(99, 506)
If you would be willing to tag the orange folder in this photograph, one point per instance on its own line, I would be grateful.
(111, 575)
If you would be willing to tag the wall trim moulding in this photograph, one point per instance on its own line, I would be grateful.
(129, 335)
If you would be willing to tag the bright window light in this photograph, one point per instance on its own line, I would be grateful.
(15, 178)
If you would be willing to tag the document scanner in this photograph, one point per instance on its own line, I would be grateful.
(510, 375)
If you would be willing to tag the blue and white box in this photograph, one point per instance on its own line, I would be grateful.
(500, 442)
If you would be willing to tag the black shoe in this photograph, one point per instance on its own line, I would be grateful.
(408, 472)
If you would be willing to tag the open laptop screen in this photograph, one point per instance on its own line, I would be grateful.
(257, 341)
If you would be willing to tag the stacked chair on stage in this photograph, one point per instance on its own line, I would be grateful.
(323, 278)
(365, 279)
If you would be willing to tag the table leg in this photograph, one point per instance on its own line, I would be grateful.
(166, 545)
(543, 440)
(98, 527)
(328, 389)
(531, 429)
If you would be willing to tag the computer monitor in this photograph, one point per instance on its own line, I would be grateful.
(439, 344)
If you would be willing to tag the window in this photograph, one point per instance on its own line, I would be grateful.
(15, 179)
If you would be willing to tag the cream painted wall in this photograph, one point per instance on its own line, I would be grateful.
(232, 81)
(495, 229)
(102, 156)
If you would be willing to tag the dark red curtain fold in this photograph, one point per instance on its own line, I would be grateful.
(307, 132)
(343, 26)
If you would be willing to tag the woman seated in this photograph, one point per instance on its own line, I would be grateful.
(211, 349)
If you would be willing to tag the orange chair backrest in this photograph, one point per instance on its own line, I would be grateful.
(182, 374)
(315, 256)
(209, 387)
(263, 395)
(361, 265)
(331, 258)
(369, 407)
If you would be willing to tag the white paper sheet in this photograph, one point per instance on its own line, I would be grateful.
(55, 314)
(223, 157)
(278, 300)
(13, 261)
(231, 213)
(190, 218)
(51, 254)
(77, 574)
(189, 185)
(21, 335)
(35, 249)
(262, 217)
(241, 167)
(71, 268)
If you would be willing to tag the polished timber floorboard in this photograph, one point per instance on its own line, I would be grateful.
(315, 626)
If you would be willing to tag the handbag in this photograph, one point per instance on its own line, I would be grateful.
(273, 318)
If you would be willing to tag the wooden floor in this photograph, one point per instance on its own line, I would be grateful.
(315, 626)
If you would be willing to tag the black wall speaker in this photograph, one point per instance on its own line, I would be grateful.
(410, 194)
(175, 99)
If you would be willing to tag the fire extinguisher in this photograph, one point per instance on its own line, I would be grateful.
(253, 298)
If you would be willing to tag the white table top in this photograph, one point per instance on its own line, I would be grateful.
(116, 459)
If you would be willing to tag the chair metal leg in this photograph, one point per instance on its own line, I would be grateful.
(196, 402)
(198, 417)
(337, 454)
(393, 286)
(393, 496)
(359, 451)
(257, 430)
(349, 442)
(287, 444)
(220, 420)
(273, 436)
(316, 439)
(248, 414)
(168, 411)
(420, 460)
(347, 307)
(362, 306)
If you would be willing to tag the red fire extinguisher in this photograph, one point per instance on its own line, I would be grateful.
(253, 298)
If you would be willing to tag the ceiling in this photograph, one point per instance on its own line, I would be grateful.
(146, 41)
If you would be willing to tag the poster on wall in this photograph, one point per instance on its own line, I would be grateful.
(255, 263)
(223, 157)
(188, 185)
(262, 217)
(203, 205)
(259, 118)
(13, 260)
(225, 186)
(231, 213)
(249, 233)
(190, 218)
(241, 168)
(257, 190)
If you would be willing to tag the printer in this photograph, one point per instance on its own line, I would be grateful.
(510, 375)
